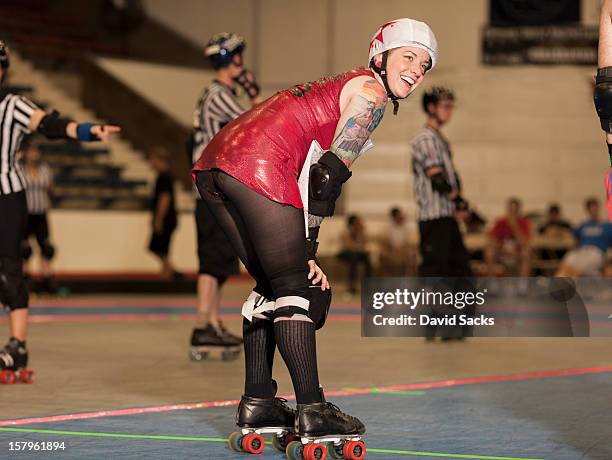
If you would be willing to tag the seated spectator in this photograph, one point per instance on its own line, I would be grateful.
(510, 240)
(555, 226)
(354, 251)
(594, 238)
(396, 255)
(555, 229)
(164, 211)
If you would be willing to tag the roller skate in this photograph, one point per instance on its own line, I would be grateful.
(13, 362)
(325, 430)
(227, 334)
(208, 340)
(258, 416)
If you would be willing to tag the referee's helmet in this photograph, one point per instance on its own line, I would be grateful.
(221, 49)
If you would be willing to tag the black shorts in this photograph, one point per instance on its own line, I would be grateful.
(38, 227)
(14, 212)
(442, 250)
(215, 252)
(160, 242)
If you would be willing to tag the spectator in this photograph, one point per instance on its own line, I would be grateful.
(555, 226)
(594, 238)
(164, 211)
(39, 180)
(354, 251)
(510, 237)
(396, 254)
(556, 231)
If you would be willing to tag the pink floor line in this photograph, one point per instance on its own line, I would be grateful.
(346, 392)
(127, 303)
(145, 317)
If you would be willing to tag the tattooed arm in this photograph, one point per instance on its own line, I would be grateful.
(357, 122)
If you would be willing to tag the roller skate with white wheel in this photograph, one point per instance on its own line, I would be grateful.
(208, 340)
(14, 362)
(258, 416)
(325, 430)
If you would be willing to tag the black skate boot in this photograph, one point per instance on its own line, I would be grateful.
(228, 335)
(323, 428)
(257, 416)
(207, 340)
(13, 363)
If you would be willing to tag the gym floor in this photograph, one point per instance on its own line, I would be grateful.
(114, 380)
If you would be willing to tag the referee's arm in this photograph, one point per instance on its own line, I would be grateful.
(101, 132)
(432, 161)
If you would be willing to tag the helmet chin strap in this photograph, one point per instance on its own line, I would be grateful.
(382, 72)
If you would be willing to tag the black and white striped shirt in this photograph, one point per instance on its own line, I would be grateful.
(37, 189)
(217, 106)
(429, 149)
(15, 114)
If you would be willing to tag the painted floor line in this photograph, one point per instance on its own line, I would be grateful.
(343, 392)
(219, 440)
(148, 317)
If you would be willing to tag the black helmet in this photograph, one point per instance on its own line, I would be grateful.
(221, 48)
(436, 94)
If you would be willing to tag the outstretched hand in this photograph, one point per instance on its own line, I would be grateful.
(316, 274)
(103, 132)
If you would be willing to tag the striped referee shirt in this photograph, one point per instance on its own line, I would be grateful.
(37, 189)
(15, 114)
(217, 106)
(429, 149)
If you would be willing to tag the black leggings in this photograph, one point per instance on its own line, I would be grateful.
(267, 236)
(269, 239)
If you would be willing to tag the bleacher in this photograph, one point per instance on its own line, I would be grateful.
(84, 176)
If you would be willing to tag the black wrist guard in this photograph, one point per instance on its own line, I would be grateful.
(53, 126)
(461, 204)
(312, 244)
(439, 184)
(247, 80)
(325, 184)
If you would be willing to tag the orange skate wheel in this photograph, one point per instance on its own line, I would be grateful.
(26, 376)
(315, 452)
(354, 450)
(253, 443)
(7, 377)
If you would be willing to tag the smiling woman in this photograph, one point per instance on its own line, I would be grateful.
(247, 176)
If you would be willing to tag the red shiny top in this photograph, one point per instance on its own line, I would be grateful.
(265, 147)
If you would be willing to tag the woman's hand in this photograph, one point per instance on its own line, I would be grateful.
(316, 274)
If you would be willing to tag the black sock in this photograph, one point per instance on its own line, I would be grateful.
(259, 346)
(297, 345)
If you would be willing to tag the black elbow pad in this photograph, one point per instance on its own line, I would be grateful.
(325, 184)
(53, 126)
(603, 97)
(439, 184)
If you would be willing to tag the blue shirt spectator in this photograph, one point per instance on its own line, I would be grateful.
(595, 233)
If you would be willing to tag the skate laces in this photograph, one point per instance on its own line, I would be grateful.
(337, 409)
(283, 402)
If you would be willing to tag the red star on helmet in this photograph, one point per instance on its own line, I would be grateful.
(379, 35)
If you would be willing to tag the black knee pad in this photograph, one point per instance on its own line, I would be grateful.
(13, 289)
(320, 302)
(26, 250)
(47, 250)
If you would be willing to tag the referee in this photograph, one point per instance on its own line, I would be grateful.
(438, 192)
(18, 117)
(217, 106)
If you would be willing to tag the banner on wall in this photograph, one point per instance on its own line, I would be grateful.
(504, 13)
(571, 45)
(537, 32)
